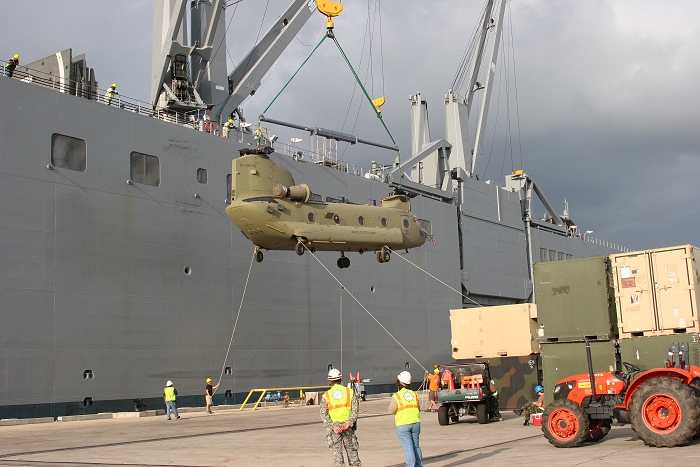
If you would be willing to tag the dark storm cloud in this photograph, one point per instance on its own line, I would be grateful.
(606, 90)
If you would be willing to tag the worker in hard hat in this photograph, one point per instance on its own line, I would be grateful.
(109, 95)
(209, 394)
(169, 397)
(11, 65)
(532, 407)
(339, 409)
(404, 404)
(228, 127)
(433, 387)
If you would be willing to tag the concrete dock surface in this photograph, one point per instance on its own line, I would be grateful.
(295, 437)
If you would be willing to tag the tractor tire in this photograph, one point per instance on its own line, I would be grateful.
(695, 384)
(565, 424)
(482, 413)
(443, 418)
(598, 429)
(665, 412)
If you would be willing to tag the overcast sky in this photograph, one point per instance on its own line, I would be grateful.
(607, 108)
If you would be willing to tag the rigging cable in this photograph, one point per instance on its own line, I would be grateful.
(363, 307)
(515, 83)
(245, 287)
(443, 283)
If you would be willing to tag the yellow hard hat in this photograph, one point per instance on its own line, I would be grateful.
(230, 120)
(114, 85)
(16, 57)
(208, 380)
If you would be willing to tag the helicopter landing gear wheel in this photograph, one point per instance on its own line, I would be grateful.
(258, 255)
(343, 262)
(299, 248)
(380, 257)
(386, 256)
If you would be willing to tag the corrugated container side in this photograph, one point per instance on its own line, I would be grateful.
(494, 331)
(561, 360)
(575, 300)
(652, 352)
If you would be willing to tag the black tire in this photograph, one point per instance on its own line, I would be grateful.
(364, 396)
(598, 429)
(695, 385)
(482, 413)
(665, 412)
(299, 248)
(565, 424)
(386, 256)
(258, 256)
(340, 263)
(443, 418)
(380, 257)
(346, 262)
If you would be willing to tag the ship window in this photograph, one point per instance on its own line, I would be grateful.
(229, 195)
(87, 402)
(361, 220)
(384, 222)
(202, 176)
(312, 217)
(552, 255)
(227, 371)
(336, 218)
(87, 374)
(145, 169)
(561, 256)
(543, 255)
(68, 153)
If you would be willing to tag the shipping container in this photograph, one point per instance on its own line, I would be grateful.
(575, 300)
(494, 331)
(657, 291)
(561, 360)
(652, 352)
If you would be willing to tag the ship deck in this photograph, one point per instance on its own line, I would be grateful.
(295, 436)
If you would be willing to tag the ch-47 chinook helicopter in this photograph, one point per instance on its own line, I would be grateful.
(275, 214)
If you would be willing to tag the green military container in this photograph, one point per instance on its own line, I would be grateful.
(652, 352)
(515, 379)
(575, 300)
(563, 359)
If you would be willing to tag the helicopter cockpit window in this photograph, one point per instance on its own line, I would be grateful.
(384, 222)
(405, 223)
(312, 217)
(336, 218)
(361, 220)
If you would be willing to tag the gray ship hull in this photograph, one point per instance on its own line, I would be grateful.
(93, 274)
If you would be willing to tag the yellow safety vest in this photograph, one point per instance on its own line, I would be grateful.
(339, 400)
(169, 393)
(407, 411)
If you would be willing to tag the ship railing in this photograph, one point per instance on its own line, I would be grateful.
(264, 391)
(196, 119)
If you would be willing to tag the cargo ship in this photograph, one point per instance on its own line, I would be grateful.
(121, 269)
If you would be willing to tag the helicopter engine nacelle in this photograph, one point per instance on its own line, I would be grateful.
(294, 193)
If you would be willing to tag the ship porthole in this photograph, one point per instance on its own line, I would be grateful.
(371, 289)
(188, 270)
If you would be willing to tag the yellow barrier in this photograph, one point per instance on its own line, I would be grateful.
(264, 391)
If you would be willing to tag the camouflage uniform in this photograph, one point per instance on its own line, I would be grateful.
(529, 409)
(346, 439)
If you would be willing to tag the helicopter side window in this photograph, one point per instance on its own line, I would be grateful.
(361, 220)
(384, 222)
(405, 223)
(336, 218)
(312, 217)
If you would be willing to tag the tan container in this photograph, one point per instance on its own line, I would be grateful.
(657, 291)
(494, 331)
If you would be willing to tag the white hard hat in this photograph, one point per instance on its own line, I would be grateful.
(404, 377)
(169, 383)
(334, 375)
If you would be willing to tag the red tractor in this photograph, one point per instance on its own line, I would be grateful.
(662, 404)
